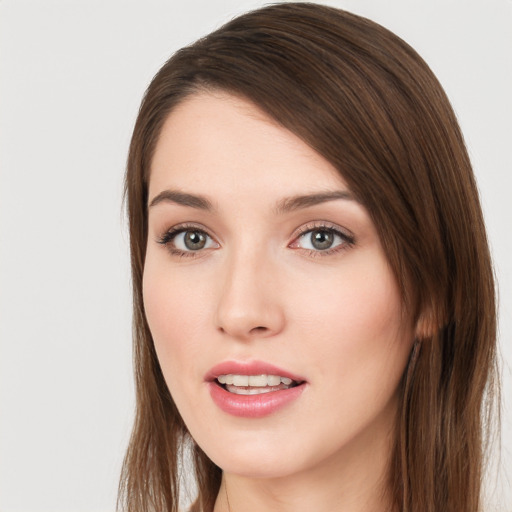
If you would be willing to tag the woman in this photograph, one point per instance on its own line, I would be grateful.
(313, 293)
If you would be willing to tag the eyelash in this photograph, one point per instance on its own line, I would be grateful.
(172, 233)
(348, 239)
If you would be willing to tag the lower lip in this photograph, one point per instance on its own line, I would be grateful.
(253, 406)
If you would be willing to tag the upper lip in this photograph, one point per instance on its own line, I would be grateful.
(249, 368)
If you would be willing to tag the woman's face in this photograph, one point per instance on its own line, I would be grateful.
(260, 260)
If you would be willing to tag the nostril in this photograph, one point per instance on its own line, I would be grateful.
(258, 329)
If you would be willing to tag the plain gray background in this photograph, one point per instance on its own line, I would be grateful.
(72, 74)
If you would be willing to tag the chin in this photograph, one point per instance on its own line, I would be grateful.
(257, 468)
(259, 458)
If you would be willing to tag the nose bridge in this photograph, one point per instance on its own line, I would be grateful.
(248, 304)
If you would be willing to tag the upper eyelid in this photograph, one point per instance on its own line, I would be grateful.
(179, 228)
(312, 226)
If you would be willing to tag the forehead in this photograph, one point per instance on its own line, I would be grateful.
(220, 143)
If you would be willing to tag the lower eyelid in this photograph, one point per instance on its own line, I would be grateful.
(328, 252)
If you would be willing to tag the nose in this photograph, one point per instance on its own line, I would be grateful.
(249, 304)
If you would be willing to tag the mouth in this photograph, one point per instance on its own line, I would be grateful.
(253, 389)
(254, 384)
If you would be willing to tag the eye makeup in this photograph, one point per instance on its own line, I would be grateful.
(322, 238)
(318, 238)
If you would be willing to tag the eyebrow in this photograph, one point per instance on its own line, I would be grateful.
(291, 204)
(286, 205)
(182, 198)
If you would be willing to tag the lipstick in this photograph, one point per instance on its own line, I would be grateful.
(252, 401)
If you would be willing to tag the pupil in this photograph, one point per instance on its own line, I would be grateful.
(322, 239)
(195, 240)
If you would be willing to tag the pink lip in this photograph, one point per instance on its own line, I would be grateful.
(251, 406)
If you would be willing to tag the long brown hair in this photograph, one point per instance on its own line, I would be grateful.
(365, 101)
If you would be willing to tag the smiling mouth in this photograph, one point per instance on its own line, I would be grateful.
(254, 384)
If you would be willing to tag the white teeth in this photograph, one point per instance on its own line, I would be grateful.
(273, 380)
(240, 380)
(249, 391)
(253, 380)
(258, 380)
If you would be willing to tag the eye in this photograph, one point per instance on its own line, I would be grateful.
(192, 240)
(182, 240)
(322, 239)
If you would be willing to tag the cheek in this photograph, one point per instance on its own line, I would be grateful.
(173, 310)
(357, 317)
